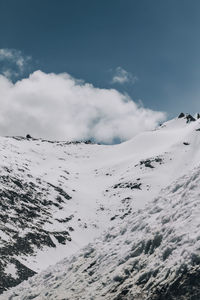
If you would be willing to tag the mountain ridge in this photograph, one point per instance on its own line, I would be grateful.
(68, 194)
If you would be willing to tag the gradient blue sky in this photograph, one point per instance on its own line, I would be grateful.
(158, 41)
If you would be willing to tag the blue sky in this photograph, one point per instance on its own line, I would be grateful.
(154, 44)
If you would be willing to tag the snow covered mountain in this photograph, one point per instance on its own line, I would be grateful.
(140, 199)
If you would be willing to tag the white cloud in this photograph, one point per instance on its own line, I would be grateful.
(13, 62)
(121, 76)
(60, 107)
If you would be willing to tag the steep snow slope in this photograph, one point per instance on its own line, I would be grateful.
(57, 196)
(153, 254)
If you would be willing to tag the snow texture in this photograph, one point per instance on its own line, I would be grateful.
(139, 199)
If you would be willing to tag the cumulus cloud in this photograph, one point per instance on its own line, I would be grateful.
(121, 76)
(57, 106)
(13, 63)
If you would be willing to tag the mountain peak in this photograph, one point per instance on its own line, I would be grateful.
(188, 117)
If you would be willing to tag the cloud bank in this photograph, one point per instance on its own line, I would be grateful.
(13, 62)
(121, 76)
(57, 106)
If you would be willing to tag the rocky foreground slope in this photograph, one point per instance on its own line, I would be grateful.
(57, 197)
(154, 254)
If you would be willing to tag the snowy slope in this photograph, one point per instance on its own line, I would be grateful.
(57, 196)
(153, 254)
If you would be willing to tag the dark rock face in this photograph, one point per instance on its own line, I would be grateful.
(131, 185)
(150, 163)
(26, 207)
(185, 286)
(182, 115)
(88, 142)
(190, 118)
(7, 281)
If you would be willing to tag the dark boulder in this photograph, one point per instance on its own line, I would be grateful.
(190, 118)
(182, 115)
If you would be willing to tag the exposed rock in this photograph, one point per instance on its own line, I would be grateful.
(190, 118)
(182, 115)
